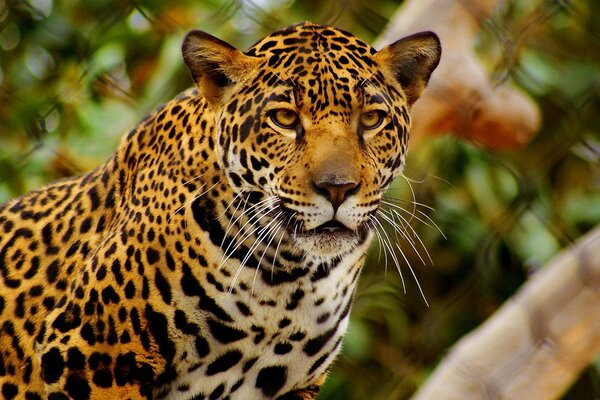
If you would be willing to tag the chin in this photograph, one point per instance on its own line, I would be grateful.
(330, 244)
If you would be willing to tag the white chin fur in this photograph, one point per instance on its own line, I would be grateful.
(327, 244)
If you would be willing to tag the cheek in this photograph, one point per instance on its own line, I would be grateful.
(387, 153)
(259, 163)
(381, 148)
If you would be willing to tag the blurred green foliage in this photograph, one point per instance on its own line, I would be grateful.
(75, 75)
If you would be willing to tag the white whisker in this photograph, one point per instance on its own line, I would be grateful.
(272, 234)
(402, 233)
(416, 203)
(392, 253)
(381, 244)
(254, 211)
(196, 197)
(413, 274)
(279, 244)
(412, 192)
(260, 236)
(185, 183)
(431, 224)
(232, 221)
(415, 234)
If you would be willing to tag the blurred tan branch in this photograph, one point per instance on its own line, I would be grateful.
(537, 343)
(460, 98)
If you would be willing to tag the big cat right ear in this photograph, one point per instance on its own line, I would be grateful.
(214, 64)
(410, 61)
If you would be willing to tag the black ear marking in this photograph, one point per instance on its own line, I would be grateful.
(411, 61)
(213, 63)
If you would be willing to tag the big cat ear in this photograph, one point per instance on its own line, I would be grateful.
(410, 61)
(214, 64)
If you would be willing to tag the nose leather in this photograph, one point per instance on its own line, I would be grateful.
(336, 190)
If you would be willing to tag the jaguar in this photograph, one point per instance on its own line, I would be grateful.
(215, 255)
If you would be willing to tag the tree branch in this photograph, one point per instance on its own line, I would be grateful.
(460, 97)
(537, 343)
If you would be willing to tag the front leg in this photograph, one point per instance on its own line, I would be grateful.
(88, 357)
(307, 393)
(71, 373)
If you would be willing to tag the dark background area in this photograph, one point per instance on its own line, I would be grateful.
(75, 75)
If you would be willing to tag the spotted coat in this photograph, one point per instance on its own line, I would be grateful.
(216, 254)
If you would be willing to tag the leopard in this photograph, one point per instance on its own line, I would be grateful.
(216, 253)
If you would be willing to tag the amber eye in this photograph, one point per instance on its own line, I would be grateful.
(371, 119)
(284, 118)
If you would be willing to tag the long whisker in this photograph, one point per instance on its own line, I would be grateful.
(237, 196)
(232, 221)
(402, 233)
(261, 205)
(427, 217)
(226, 253)
(381, 244)
(399, 227)
(413, 274)
(196, 197)
(184, 205)
(279, 244)
(415, 234)
(185, 183)
(413, 180)
(372, 226)
(392, 220)
(272, 232)
(392, 253)
(403, 200)
(260, 236)
(412, 192)
(431, 224)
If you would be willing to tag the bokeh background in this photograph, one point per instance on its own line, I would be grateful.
(76, 74)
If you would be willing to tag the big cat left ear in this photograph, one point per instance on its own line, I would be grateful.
(410, 61)
(214, 64)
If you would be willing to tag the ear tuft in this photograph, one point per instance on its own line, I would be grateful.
(411, 60)
(213, 63)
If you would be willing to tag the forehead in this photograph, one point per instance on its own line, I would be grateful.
(307, 51)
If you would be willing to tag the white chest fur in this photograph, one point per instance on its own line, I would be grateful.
(280, 337)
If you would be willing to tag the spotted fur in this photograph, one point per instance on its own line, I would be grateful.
(216, 254)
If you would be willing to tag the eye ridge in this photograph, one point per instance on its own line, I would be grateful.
(366, 121)
(284, 118)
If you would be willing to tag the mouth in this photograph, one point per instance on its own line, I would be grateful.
(329, 227)
(332, 230)
(331, 238)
